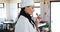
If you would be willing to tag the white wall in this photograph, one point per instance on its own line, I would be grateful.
(8, 11)
(13, 10)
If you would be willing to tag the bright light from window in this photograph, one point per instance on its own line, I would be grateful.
(55, 16)
(36, 10)
(37, 4)
(2, 13)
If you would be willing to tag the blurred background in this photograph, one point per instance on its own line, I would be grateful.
(9, 10)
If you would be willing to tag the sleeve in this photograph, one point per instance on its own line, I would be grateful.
(22, 26)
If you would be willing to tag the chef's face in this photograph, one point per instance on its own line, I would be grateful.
(29, 9)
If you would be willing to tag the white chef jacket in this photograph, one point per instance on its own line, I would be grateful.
(23, 25)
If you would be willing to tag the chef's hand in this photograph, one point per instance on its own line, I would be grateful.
(38, 19)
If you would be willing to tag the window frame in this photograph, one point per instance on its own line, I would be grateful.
(2, 5)
(37, 6)
(19, 6)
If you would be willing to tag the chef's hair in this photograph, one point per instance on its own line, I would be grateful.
(22, 9)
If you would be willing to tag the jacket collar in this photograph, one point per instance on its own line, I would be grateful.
(25, 14)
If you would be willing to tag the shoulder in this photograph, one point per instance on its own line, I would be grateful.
(22, 21)
(23, 18)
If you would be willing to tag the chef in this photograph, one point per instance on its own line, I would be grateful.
(25, 22)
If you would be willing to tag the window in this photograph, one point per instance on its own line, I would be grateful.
(37, 8)
(1, 5)
(19, 7)
(2, 11)
(55, 16)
